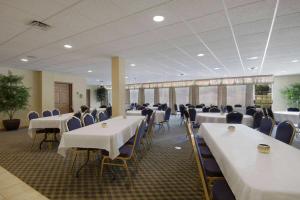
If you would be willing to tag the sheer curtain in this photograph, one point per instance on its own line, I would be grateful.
(208, 95)
(149, 96)
(164, 95)
(109, 97)
(134, 96)
(182, 95)
(236, 94)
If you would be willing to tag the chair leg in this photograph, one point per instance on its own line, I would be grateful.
(127, 171)
(33, 141)
(102, 166)
(168, 125)
(74, 160)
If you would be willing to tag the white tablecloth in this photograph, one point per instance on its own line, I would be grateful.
(218, 118)
(152, 108)
(110, 138)
(252, 175)
(159, 114)
(98, 109)
(58, 121)
(286, 115)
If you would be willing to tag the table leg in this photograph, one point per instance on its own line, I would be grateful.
(84, 164)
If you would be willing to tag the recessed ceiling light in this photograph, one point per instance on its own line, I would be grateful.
(126, 77)
(98, 80)
(24, 59)
(295, 61)
(252, 58)
(181, 74)
(158, 18)
(252, 68)
(200, 54)
(90, 71)
(217, 68)
(68, 46)
(132, 65)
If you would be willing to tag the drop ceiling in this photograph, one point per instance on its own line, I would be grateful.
(227, 32)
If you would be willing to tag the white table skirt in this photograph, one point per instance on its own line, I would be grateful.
(110, 138)
(58, 121)
(286, 115)
(152, 108)
(252, 175)
(159, 114)
(218, 118)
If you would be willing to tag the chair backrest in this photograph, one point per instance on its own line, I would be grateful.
(270, 113)
(73, 123)
(78, 115)
(192, 113)
(248, 107)
(84, 108)
(237, 105)
(182, 109)
(257, 117)
(109, 112)
(102, 116)
(229, 108)
(200, 167)
(88, 119)
(293, 109)
(205, 109)
(139, 134)
(265, 111)
(175, 107)
(144, 112)
(214, 110)
(94, 114)
(266, 125)
(103, 106)
(234, 118)
(33, 115)
(285, 132)
(250, 111)
(186, 115)
(149, 114)
(55, 112)
(46, 113)
(167, 114)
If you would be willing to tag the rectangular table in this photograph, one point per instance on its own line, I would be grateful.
(58, 121)
(159, 114)
(250, 174)
(220, 118)
(281, 116)
(110, 138)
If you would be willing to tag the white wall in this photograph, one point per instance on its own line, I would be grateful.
(280, 83)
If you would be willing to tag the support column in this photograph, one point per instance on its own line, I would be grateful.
(118, 86)
(156, 96)
(141, 96)
(249, 95)
(172, 99)
(222, 95)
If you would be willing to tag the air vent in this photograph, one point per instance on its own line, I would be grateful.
(39, 25)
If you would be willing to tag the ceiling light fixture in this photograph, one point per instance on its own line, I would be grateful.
(126, 77)
(217, 68)
(24, 60)
(295, 61)
(132, 65)
(252, 58)
(68, 46)
(200, 54)
(158, 18)
(90, 71)
(98, 80)
(252, 68)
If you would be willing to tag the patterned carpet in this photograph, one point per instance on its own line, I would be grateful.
(163, 172)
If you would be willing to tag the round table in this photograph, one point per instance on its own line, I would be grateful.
(220, 118)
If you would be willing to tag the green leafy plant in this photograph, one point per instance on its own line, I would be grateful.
(13, 94)
(101, 94)
(262, 89)
(292, 95)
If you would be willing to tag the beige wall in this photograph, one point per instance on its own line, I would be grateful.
(94, 102)
(281, 82)
(31, 80)
(48, 81)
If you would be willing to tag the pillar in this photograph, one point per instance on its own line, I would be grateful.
(222, 95)
(118, 86)
(156, 96)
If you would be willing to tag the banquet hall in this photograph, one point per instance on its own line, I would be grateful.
(149, 99)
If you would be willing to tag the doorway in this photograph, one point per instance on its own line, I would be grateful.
(63, 97)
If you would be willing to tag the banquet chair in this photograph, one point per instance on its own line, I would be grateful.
(127, 152)
(270, 113)
(47, 113)
(285, 132)
(248, 107)
(192, 115)
(181, 109)
(214, 110)
(94, 114)
(293, 109)
(78, 115)
(229, 108)
(237, 105)
(205, 109)
(149, 130)
(34, 115)
(87, 119)
(55, 112)
(257, 117)
(266, 125)
(109, 112)
(265, 111)
(102, 116)
(84, 109)
(103, 106)
(166, 119)
(234, 118)
(250, 111)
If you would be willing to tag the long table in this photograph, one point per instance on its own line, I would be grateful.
(281, 116)
(117, 132)
(250, 174)
(220, 118)
(159, 114)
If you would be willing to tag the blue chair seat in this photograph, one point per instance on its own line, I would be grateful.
(211, 168)
(221, 191)
(124, 151)
(205, 152)
(131, 141)
(200, 141)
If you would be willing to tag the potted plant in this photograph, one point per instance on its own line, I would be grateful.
(101, 94)
(292, 95)
(13, 97)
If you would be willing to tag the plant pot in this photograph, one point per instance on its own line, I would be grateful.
(11, 124)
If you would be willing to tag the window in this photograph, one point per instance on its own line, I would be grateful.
(236, 94)
(109, 96)
(134, 96)
(182, 95)
(164, 95)
(208, 95)
(149, 96)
